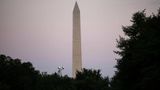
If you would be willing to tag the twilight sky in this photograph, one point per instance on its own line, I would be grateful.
(40, 31)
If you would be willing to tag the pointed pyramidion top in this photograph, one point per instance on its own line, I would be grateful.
(76, 8)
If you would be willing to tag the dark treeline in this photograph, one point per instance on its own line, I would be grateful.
(15, 75)
(138, 67)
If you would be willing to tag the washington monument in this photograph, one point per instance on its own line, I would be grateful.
(76, 50)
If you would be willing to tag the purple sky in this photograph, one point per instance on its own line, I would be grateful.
(40, 31)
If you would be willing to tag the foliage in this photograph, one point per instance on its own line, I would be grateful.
(16, 75)
(91, 80)
(54, 82)
(139, 65)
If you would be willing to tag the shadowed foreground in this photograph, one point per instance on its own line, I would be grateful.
(16, 75)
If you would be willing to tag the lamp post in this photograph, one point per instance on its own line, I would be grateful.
(60, 70)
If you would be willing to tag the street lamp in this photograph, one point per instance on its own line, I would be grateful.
(60, 70)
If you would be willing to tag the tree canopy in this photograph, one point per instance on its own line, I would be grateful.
(15, 75)
(139, 65)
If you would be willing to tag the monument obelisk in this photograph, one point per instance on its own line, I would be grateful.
(76, 50)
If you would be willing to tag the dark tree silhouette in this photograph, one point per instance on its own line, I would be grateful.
(15, 75)
(54, 82)
(139, 65)
(91, 80)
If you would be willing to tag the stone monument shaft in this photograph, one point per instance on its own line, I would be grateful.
(76, 50)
